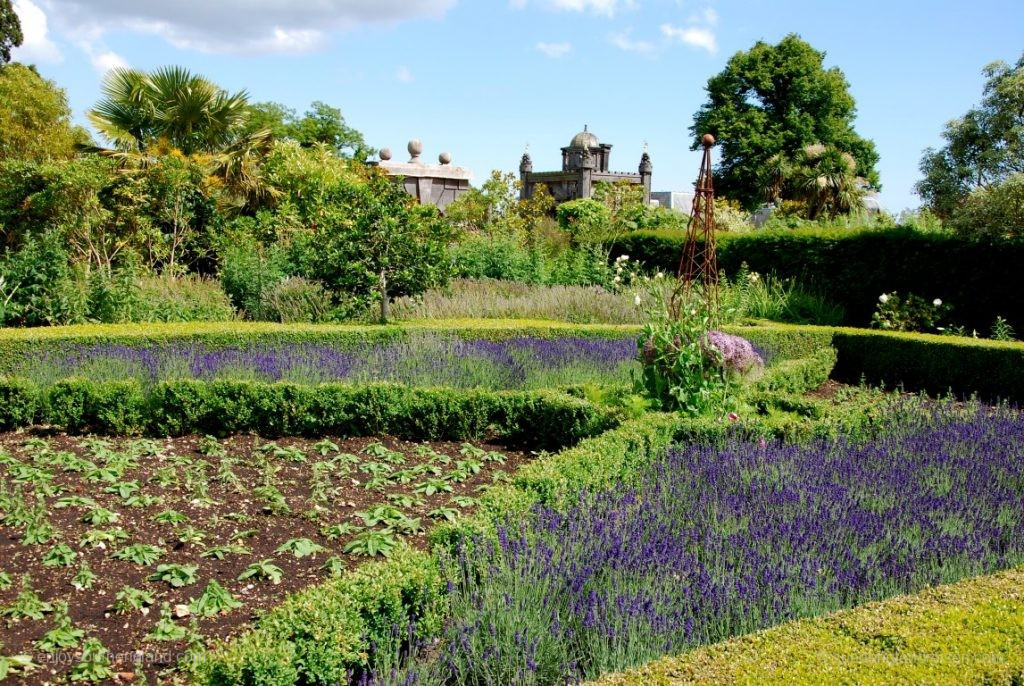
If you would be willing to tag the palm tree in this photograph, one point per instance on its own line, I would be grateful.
(190, 112)
(825, 179)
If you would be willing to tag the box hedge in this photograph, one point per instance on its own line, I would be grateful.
(980, 279)
(971, 632)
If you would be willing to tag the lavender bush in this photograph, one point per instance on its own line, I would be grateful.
(420, 359)
(714, 542)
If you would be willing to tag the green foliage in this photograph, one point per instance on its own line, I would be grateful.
(11, 36)
(953, 634)
(214, 600)
(129, 599)
(585, 220)
(777, 99)
(300, 547)
(320, 124)
(175, 575)
(264, 569)
(93, 665)
(296, 300)
(35, 112)
(139, 553)
(995, 211)
(982, 149)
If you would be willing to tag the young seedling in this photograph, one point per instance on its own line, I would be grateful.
(142, 500)
(404, 501)
(123, 489)
(170, 517)
(432, 486)
(38, 531)
(447, 513)
(93, 665)
(98, 538)
(472, 451)
(494, 456)
(380, 514)
(190, 536)
(300, 547)
(220, 552)
(5, 581)
(165, 477)
(211, 447)
(324, 447)
(139, 553)
(465, 501)
(75, 501)
(264, 569)
(14, 665)
(84, 579)
(100, 516)
(382, 452)
(215, 600)
(166, 629)
(273, 500)
(60, 555)
(130, 599)
(334, 566)
(372, 543)
(28, 605)
(176, 575)
(336, 531)
(63, 634)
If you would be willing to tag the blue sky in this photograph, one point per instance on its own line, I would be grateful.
(484, 78)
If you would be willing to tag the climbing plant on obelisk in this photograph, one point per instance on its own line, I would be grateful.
(697, 286)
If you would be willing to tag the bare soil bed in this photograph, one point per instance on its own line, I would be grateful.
(140, 538)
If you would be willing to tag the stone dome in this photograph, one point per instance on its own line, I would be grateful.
(584, 139)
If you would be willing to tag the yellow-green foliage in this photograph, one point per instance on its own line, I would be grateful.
(970, 632)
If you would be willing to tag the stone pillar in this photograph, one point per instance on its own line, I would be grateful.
(646, 169)
(586, 188)
(525, 169)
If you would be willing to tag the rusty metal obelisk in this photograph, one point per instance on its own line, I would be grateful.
(698, 268)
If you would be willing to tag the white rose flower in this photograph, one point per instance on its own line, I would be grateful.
(937, 302)
(617, 279)
(659, 275)
(636, 299)
(883, 298)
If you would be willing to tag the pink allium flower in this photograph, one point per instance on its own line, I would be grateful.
(738, 355)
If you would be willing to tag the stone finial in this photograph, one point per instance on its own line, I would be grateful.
(385, 154)
(526, 164)
(645, 164)
(445, 158)
(415, 149)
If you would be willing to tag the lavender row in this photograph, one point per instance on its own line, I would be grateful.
(420, 359)
(714, 542)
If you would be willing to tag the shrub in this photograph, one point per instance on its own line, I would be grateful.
(585, 220)
(912, 313)
(296, 300)
(182, 299)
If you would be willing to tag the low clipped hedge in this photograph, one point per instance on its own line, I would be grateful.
(971, 632)
(936, 364)
(545, 419)
(320, 635)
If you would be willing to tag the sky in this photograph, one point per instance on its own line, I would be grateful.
(484, 79)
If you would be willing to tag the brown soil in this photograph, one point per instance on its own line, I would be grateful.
(228, 512)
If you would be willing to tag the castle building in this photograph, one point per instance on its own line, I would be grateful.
(584, 164)
(431, 184)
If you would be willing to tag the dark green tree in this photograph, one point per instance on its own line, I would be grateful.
(774, 100)
(10, 31)
(320, 124)
(983, 148)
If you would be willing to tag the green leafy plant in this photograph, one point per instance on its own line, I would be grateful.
(372, 544)
(11, 665)
(300, 547)
(129, 599)
(325, 447)
(175, 574)
(220, 552)
(912, 313)
(335, 566)
(63, 634)
(446, 513)
(139, 553)
(100, 516)
(336, 531)
(264, 569)
(431, 486)
(170, 517)
(93, 665)
(166, 629)
(190, 535)
(274, 501)
(84, 579)
(215, 600)
(60, 555)
(28, 605)
(5, 581)
(1002, 331)
(380, 514)
(403, 500)
(98, 538)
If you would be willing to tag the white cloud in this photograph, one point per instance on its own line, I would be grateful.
(696, 36)
(237, 26)
(623, 42)
(103, 60)
(36, 45)
(404, 75)
(606, 8)
(706, 16)
(555, 50)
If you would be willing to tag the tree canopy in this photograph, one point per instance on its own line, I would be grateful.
(10, 31)
(773, 101)
(983, 148)
(320, 124)
(36, 117)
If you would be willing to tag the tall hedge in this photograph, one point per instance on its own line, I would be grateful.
(980, 279)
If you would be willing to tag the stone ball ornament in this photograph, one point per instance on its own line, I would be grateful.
(385, 154)
(445, 158)
(708, 140)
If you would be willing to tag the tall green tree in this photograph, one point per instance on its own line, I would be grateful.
(36, 118)
(10, 31)
(774, 100)
(321, 124)
(983, 148)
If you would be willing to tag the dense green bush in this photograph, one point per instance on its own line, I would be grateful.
(296, 300)
(979, 279)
